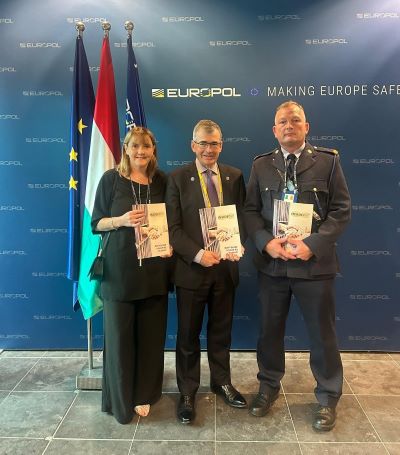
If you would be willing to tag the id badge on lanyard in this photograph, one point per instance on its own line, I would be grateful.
(289, 196)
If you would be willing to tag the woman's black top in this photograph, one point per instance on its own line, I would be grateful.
(124, 279)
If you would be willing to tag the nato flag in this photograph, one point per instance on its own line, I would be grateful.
(134, 104)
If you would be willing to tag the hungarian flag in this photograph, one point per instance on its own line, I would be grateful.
(134, 104)
(82, 107)
(104, 153)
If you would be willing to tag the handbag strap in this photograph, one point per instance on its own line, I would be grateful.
(103, 244)
(104, 240)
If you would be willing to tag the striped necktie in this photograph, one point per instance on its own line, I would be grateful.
(211, 190)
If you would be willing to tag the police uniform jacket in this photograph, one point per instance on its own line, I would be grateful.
(320, 182)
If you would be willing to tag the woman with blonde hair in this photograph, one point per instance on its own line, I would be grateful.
(135, 293)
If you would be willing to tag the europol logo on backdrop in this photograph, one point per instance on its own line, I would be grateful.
(226, 92)
(276, 91)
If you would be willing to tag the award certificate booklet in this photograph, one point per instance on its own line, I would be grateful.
(292, 219)
(220, 230)
(151, 236)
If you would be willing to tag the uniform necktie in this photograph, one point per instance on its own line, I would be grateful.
(291, 160)
(211, 190)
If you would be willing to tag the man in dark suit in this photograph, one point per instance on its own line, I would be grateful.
(312, 175)
(202, 277)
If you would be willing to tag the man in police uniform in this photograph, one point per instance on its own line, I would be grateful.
(311, 175)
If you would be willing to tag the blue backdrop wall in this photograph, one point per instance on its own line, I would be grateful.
(340, 59)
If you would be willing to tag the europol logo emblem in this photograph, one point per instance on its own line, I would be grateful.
(195, 92)
(157, 93)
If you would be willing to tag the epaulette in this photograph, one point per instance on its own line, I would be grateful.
(326, 150)
(266, 154)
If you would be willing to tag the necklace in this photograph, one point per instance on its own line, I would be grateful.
(139, 200)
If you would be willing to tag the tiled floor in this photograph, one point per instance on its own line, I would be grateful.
(41, 412)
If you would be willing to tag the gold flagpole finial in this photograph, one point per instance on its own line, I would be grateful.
(129, 27)
(106, 26)
(80, 28)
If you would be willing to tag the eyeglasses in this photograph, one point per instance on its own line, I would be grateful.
(204, 144)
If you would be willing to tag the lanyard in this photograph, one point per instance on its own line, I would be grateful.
(205, 192)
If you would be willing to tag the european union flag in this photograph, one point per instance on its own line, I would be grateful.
(134, 104)
(82, 108)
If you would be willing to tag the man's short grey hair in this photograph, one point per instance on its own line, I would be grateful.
(208, 125)
(290, 103)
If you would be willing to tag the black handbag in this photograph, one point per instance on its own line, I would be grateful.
(96, 271)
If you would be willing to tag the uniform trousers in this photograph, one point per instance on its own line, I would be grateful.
(316, 300)
(217, 292)
(133, 358)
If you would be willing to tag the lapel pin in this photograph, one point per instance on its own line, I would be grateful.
(192, 179)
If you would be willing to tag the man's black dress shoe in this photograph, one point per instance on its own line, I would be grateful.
(324, 418)
(185, 411)
(262, 403)
(230, 395)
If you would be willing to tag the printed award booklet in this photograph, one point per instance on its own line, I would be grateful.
(221, 230)
(151, 236)
(292, 219)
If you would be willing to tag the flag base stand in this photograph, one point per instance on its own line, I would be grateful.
(90, 377)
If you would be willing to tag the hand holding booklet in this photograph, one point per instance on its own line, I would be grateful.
(293, 220)
(151, 236)
(220, 230)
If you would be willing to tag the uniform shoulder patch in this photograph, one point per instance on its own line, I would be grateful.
(266, 154)
(326, 150)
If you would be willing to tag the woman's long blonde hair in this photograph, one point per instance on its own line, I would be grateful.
(124, 167)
